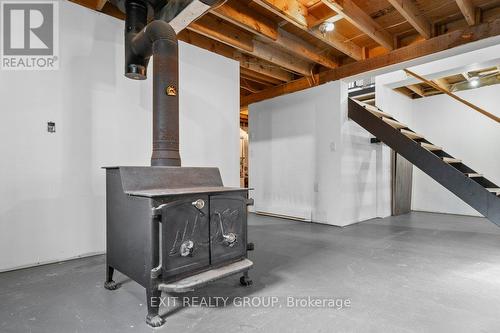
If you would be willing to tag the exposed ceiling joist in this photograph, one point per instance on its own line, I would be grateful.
(468, 10)
(258, 77)
(223, 32)
(93, 4)
(423, 48)
(100, 4)
(417, 89)
(248, 62)
(361, 20)
(251, 86)
(240, 15)
(442, 83)
(219, 30)
(413, 15)
(262, 67)
(243, 17)
(295, 13)
(269, 53)
(303, 49)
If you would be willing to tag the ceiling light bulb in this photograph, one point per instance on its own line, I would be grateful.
(327, 27)
(474, 82)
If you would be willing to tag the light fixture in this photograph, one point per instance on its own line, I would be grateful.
(326, 27)
(474, 82)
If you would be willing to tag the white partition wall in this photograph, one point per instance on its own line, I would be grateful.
(308, 161)
(447, 123)
(52, 204)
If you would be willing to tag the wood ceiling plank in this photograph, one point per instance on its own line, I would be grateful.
(270, 53)
(361, 20)
(258, 77)
(246, 61)
(413, 15)
(244, 17)
(240, 15)
(417, 89)
(468, 10)
(301, 48)
(222, 31)
(295, 13)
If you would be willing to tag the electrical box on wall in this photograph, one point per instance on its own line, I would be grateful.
(51, 127)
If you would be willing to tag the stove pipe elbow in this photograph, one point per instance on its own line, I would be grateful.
(159, 40)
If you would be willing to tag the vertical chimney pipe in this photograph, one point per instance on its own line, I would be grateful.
(159, 40)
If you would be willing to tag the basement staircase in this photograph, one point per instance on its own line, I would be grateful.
(469, 185)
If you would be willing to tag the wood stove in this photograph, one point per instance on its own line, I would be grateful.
(169, 228)
(174, 229)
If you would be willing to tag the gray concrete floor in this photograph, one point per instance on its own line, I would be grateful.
(420, 272)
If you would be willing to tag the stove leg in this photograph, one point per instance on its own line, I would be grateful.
(245, 280)
(153, 319)
(110, 284)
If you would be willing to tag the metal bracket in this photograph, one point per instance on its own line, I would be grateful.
(156, 211)
(156, 272)
(250, 202)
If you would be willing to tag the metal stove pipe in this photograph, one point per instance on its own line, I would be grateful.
(159, 40)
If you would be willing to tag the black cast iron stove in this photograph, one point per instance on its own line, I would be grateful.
(169, 228)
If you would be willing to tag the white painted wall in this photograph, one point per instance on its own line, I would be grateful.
(463, 133)
(52, 204)
(308, 160)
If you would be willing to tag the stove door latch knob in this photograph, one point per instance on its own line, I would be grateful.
(230, 239)
(199, 204)
(187, 248)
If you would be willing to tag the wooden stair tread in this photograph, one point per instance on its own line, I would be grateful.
(451, 160)
(370, 101)
(494, 190)
(474, 175)
(376, 111)
(430, 146)
(411, 135)
(394, 123)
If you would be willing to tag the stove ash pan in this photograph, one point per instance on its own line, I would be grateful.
(174, 229)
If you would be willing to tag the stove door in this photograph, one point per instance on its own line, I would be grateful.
(228, 227)
(185, 236)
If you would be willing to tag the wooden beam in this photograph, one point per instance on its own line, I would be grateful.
(413, 15)
(243, 17)
(92, 4)
(240, 15)
(258, 77)
(290, 10)
(452, 95)
(468, 10)
(413, 51)
(101, 4)
(302, 49)
(295, 13)
(442, 83)
(270, 53)
(248, 62)
(417, 89)
(251, 86)
(361, 20)
(222, 31)
(263, 67)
